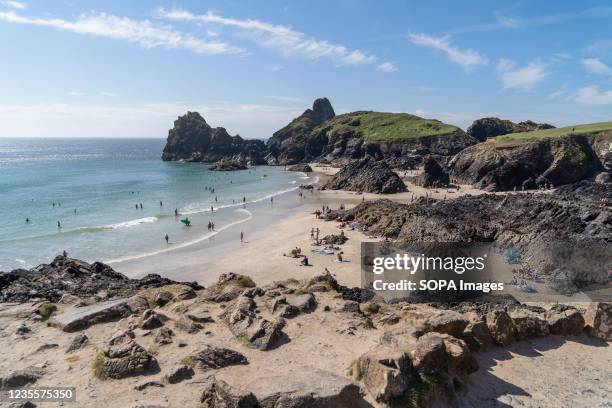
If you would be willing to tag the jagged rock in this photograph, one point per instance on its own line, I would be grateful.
(366, 175)
(26, 404)
(334, 239)
(304, 303)
(322, 281)
(459, 358)
(188, 325)
(598, 319)
(82, 317)
(563, 319)
(193, 140)
(213, 357)
(138, 303)
(501, 327)
(306, 389)
(292, 144)
(477, 336)
(433, 174)
(22, 329)
(304, 168)
(228, 165)
(74, 277)
(528, 324)
(77, 343)
(152, 320)
(185, 293)
(20, 378)
(429, 355)
(164, 297)
(483, 128)
(228, 287)
(350, 306)
(163, 336)
(251, 330)
(449, 322)
(219, 394)
(178, 373)
(125, 358)
(386, 373)
(202, 317)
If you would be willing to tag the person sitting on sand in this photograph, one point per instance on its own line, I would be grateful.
(304, 261)
(339, 256)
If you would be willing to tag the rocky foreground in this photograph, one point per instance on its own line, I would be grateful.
(287, 344)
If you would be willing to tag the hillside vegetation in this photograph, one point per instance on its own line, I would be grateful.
(525, 137)
(384, 126)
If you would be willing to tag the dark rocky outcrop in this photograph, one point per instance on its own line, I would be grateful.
(193, 140)
(228, 165)
(543, 228)
(529, 164)
(293, 144)
(304, 168)
(368, 176)
(483, 128)
(213, 357)
(125, 358)
(74, 277)
(433, 174)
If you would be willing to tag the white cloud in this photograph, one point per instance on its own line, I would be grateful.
(522, 78)
(591, 95)
(468, 58)
(387, 67)
(285, 98)
(143, 33)
(75, 93)
(111, 94)
(281, 38)
(558, 93)
(141, 120)
(595, 66)
(14, 4)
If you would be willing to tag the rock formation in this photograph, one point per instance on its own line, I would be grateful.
(433, 174)
(193, 140)
(292, 144)
(368, 176)
(67, 276)
(528, 163)
(228, 165)
(483, 128)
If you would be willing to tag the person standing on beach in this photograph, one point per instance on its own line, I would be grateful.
(161, 204)
(241, 237)
(317, 231)
(167, 238)
(176, 212)
(27, 220)
(312, 233)
(59, 225)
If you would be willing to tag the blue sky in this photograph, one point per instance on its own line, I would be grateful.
(129, 68)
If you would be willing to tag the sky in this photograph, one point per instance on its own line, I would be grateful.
(130, 68)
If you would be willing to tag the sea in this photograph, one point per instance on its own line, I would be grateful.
(94, 187)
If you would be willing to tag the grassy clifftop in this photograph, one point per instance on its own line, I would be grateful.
(384, 126)
(526, 137)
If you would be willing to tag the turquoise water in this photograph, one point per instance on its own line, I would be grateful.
(103, 180)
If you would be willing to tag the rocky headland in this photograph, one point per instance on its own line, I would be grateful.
(481, 129)
(193, 140)
(366, 175)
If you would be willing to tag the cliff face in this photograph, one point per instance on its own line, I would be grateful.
(483, 128)
(368, 176)
(193, 140)
(398, 138)
(292, 144)
(500, 164)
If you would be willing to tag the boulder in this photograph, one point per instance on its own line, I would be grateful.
(77, 343)
(82, 317)
(144, 385)
(214, 357)
(366, 175)
(484, 128)
(429, 355)
(228, 287)
(125, 358)
(304, 303)
(188, 325)
(501, 327)
(219, 394)
(603, 178)
(459, 358)
(152, 320)
(229, 165)
(449, 322)
(306, 389)
(164, 297)
(598, 319)
(19, 378)
(528, 324)
(386, 373)
(178, 373)
(564, 319)
(477, 336)
(163, 335)
(304, 168)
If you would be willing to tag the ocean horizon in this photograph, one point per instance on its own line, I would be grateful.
(94, 187)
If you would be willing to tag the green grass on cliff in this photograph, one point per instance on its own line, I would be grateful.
(382, 126)
(525, 137)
